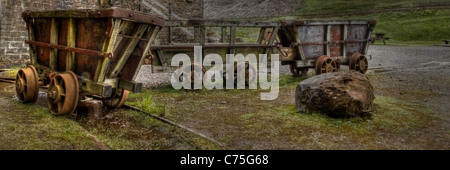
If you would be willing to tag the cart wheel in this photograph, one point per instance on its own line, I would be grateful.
(118, 98)
(298, 71)
(27, 87)
(63, 92)
(359, 63)
(244, 72)
(194, 76)
(325, 65)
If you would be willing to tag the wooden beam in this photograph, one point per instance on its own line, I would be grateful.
(232, 39)
(71, 42)
(220, 23)
(109, 46)
(344, 46)
(224, 34)
(271, 40)
(261, 35)
(127, 50)
(151, 35)
(54, 40)
(31, 37)
(328, 39)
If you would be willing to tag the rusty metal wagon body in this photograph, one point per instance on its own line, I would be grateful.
(325, 45)
(93, 52)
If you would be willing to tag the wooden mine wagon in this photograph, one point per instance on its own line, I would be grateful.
(324, 45)
(85, 52)
(215, 36)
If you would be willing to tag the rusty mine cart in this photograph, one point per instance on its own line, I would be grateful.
(325, 45)
(85, 52)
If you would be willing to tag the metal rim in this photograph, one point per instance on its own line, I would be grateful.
(63, 93)
(27, 87)
(193, 74)
(359, 63)
(118, 99)
(325, 65)
(244, 72)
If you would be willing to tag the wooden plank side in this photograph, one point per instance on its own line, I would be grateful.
(62, 40)
(127, 50)
(42, 29)
(90, 35)
(109, 47)
(232, 39)
(31, 37)
(151, 36)
(71, 42)
(262, 32)
(53, 40)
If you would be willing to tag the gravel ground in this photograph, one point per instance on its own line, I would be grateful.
(418, 75)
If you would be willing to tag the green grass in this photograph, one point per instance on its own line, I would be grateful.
(425, 27)
(341, 6)
(32, 127)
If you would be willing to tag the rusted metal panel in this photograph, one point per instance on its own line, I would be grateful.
(355, 32)
(336, 35)
(312, 34)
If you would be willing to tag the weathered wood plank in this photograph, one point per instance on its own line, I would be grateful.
(151, 35)
(31, 37)
(111, 44)
(71, 42)
(223, 33)
(328, 39)
(271, 40)
(344, 46)
(232, 39)
(127, 50)
(261, 35)
(54, 40)
(220, 23)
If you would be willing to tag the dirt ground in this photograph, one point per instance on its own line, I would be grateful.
(411, 84)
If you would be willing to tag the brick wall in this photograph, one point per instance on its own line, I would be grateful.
(13, 50)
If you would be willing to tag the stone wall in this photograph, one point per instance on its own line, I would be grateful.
(219, 9)
(13, 50)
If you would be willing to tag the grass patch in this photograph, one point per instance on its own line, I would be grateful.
(25, 126)
(428, 27)
(343, 6)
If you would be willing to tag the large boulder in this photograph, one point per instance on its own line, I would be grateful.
(338, 94)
